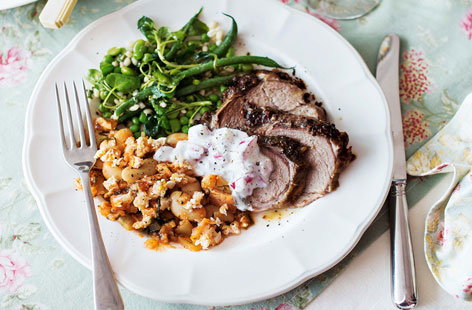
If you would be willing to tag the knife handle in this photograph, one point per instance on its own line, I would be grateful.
(403, 286)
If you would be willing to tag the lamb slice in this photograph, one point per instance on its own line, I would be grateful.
(327, 154)
(280, 91)
(287, 178)
(273, 89)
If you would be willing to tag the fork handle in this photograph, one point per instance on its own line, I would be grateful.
(403, 285)
(106, 293)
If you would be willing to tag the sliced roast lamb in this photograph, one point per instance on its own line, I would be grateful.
(273, 89)
(327, 155)
(288, 175)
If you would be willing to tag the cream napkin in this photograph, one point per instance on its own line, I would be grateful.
(448, 233)
(56, 13)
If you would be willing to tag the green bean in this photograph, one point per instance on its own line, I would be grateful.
(204, 109)
(161, 77)
(223, 88)
(224, 46)
(173, 51)
(207, 66)
(246, 67)
(185, 129)
(114, 51)
(120, 110)
(177, 45)
(127, 115)
(106, 114)
(138, 49)
(174, 125)
(174, 71)
(213, 82)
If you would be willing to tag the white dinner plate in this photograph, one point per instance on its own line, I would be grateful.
(263, 261)
(8, 4)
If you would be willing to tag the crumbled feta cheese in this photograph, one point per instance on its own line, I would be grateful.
(115, 63)
(134, 107)
(163, 104)
(141, 105)
(146, 79)
(127, 62)
(129, 54)
(134, 61)
(147, 111)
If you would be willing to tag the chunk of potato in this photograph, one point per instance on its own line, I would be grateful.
(184, 228)
(177, 206)
(191, 188)
(176, 137)
(109, 171)
(213, 181)
(219, 197)
(121, 136)
(148, 167)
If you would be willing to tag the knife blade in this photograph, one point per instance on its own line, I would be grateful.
(403, 282)
(388, 79)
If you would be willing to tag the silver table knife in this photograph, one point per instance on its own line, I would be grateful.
(403, 286)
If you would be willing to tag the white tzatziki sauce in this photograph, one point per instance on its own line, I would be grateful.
(229, 153)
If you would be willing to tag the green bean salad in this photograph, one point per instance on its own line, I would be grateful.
(165, 82)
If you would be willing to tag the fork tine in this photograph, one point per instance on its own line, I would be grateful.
(88, 118)
(69, 120)
(61, 123)
(80, 121)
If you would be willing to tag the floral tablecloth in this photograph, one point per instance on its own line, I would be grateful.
(36, 273)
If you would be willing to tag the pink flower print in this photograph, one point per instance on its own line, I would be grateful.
(466, 24)
(13, 66)
(441, 237)
(414, 82)
(329, 21)
(13, 271)
(285, 1)
(415, 128)
(468, 287)
(284, 307)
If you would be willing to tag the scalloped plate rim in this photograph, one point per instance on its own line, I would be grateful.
(307, 274)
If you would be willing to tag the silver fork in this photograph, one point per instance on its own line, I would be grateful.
(80, 157)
